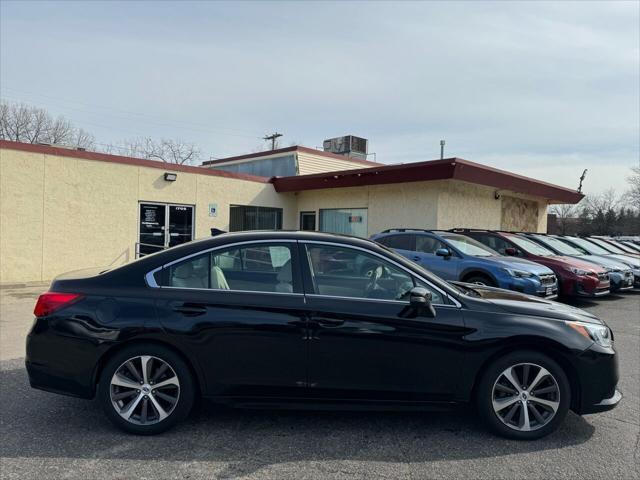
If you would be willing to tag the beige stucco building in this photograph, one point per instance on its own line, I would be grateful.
(63, 209)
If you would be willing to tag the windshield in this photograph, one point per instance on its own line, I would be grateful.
(622, 246)
(560, 246)
(589, 247)
(606, 246)
(531, 246)
(470, 246)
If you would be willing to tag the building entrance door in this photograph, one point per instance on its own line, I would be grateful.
(163, 225)
(308, 221)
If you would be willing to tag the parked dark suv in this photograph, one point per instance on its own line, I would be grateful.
(261, 319)
(575, 277)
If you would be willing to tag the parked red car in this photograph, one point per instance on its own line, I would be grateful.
(575, 277)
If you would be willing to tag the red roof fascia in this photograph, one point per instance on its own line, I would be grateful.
(104, 157)
(447, 169)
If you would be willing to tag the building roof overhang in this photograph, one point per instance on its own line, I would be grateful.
(446, 169)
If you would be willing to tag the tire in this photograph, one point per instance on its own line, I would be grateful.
(480, 279)
(553, 388)
(165, 406)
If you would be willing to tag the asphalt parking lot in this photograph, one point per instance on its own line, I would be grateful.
(50, 436)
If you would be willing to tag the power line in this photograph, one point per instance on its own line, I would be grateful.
(125, 114)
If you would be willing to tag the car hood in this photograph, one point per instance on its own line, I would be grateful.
(520, 264)
(564, 261)
(604, 261)
(514, 302)
(626, 259)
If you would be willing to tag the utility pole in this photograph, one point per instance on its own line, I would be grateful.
(273, 138)
(441, 149)
(584, 174)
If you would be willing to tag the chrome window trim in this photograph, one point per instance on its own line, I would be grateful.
(151, 281)
(380, 300)
(219, 290)
(402, 267)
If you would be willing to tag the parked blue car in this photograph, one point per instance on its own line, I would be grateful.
(456, 257)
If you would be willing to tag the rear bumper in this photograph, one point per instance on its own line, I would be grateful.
(60, 363)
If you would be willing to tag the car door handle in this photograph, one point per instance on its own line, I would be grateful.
(192, 310)
(415, 258)
(330, 322)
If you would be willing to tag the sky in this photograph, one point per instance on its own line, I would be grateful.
(544, 89)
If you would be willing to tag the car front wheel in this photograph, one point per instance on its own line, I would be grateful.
(524, 395)
(146, 389)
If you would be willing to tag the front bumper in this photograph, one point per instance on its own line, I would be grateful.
(592, 287)
(597, 374)
(530, 286)
(621, 281)
(608, 403)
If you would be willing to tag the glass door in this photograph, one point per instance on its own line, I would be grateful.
(308, 221)
(162, 226)
(180, 224)
(152, 228)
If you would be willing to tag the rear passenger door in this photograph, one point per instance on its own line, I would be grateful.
(239, 310)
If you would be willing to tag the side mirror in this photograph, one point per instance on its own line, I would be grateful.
(420, 299)
(443, 252)
(512, 252)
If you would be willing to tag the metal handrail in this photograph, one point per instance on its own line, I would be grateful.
(141, 244)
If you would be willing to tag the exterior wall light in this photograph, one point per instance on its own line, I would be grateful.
(170, 177)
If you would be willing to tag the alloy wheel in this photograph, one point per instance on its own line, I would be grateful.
(144, 390)
(525, 397)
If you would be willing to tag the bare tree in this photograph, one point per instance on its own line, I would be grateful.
(634, 192)
(565, 215)
(166, 150)
(604, 202)
(24, 123)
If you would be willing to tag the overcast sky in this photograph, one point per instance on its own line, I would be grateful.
(542, 89)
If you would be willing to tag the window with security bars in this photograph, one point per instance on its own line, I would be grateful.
(245, 217)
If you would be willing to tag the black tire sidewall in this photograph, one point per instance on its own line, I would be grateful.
(485, 391)
(187, 390)
(481, 278)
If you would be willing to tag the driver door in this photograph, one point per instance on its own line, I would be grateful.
(362, 344)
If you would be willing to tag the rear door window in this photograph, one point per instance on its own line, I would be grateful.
(257, 268)
(399, 242)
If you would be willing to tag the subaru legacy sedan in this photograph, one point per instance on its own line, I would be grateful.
(292, 320)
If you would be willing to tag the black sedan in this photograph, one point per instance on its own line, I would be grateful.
(272, 319)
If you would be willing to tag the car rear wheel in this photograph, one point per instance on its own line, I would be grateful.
(524, 395)
(146, 389)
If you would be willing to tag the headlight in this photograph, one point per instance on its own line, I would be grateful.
(598, 333)
(518, 273)
(578, 271)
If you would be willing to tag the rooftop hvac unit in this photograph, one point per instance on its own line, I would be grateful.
(348, 145)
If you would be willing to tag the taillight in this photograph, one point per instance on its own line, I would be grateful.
(50, 302)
